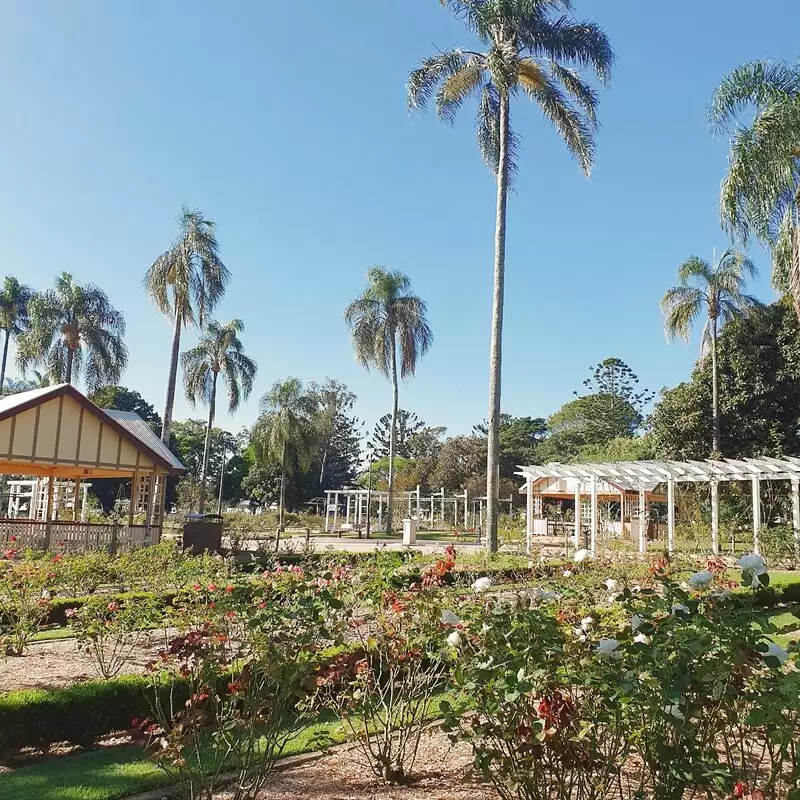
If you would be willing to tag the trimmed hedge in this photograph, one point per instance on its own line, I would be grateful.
(79, 714)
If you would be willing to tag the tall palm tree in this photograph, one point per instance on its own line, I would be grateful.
(761, 192)
(285, 433)
(717, 291)
(529, 47)
(14, 299)
(218, 354)
(185, 283)
(388, 321)
(74, 332)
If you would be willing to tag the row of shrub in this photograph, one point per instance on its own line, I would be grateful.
(80, 714)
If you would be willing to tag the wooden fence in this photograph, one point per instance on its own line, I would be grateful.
(74, 537)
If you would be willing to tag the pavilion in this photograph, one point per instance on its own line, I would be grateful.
(644, 477)
(58, 436)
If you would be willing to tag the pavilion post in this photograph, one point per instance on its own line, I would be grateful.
(132, 503)
(577, 515)
(419, 509)
(76, 499)
(335, 510)
(529, 513)
(756, 488)
(48, 513)
(671, 515)
(715, 517)
(593, 530)
(327, 508)
(444, 524)
(642, 520)
(380, 510)
(347, 521)
(796, 513)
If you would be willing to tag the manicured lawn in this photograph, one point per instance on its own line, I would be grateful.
(117, 772)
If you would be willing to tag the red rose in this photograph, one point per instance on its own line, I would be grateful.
(212, 587)
(197, 587)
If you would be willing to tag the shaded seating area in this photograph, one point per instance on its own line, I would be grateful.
(640, 480)
(60, 439)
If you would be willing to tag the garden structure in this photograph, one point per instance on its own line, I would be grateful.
(347, 509)
(60, 438)
(643, 478)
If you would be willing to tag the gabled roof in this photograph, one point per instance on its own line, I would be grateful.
(128, 426)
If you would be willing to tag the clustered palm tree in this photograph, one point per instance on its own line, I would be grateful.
(284, 434)
(74, 331)
(387, 323)
(761, 192)
(218, 354)
(185, 283)
(14, 300)
(718, 291)
(529, 48)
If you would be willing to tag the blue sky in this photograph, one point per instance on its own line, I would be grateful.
(286, 124)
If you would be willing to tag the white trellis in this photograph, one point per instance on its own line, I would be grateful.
(646, 475)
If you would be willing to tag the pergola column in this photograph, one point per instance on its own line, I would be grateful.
(577, 521)
(347, 521)
(529, 513)
(380, 510)
(594, 516)
(670, 515)
(642, 520)
(76, 499)
(48, 512)
(336, 510)
(756, 487)
(466, 510)
(443, 510)
(796, 513)
(715, 517)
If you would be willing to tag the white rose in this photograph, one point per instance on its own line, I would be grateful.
(450, 618)
(586, 623)
(608, 648)
(776, 651)
(674, 711)
(679, 608)
(567, 573)
(640, 638)
(481, 585)
(611, 584)
(701, 580)
(454, 639)
(580, 555)
(752, 562)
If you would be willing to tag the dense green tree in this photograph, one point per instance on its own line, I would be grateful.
(406, 425)
(185, 283)
(74, 333)
(621, 448)
(219, 355)
(758, 106)
(613, 378)
(586, 422)
(716, 291)
(14, 300)
(285, 433)
(519, 441)
(123, 399)
(759, 373)
(459, 459)
(338, 446)
(388, 323)
(529, 46)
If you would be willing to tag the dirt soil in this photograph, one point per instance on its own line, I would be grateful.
(442, 772)
(46, 665)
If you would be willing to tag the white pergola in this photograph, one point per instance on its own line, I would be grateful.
(649, 474)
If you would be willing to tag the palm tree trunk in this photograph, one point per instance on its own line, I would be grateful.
(282, 500)
(166, 423)
(207, 449)
(70, 362)
(496, 346)
(392, 436)
(714, 391)
(3, 365)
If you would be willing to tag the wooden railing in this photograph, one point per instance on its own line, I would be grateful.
(21, 534)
